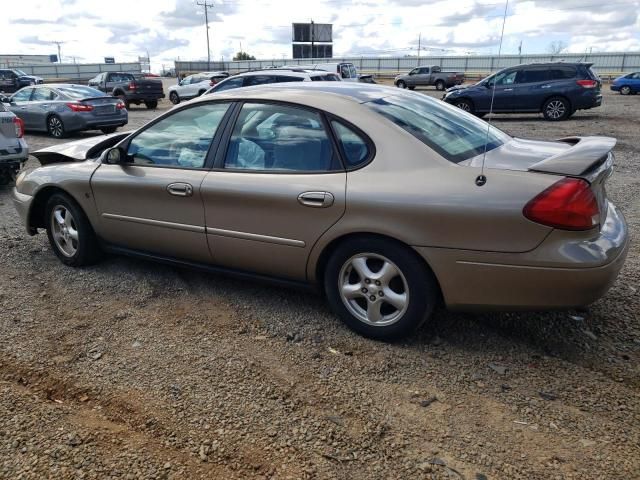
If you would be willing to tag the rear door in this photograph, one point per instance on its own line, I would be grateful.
(634, 82)
(277, 187)
(532, 86)
(153, 203)
(37, 109)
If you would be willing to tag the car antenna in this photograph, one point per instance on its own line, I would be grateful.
(482, 179)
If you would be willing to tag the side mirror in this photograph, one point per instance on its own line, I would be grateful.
(115, 156)
(4, 99)
(489, 84)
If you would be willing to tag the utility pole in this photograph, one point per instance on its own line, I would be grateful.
(419, 45)
(59, 50)
(313, 37)
(520, 48)
(207, 6)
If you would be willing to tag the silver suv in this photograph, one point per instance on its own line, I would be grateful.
(13, 148)
(274, 75)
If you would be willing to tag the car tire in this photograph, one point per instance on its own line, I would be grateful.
(408, 281)
(464, 104)
(174, 98)
(70, 234)
(625, 90)
(401, 84)
(440, 85)
(108, 130)
(55, 127)
(151, 104)
(556, 109)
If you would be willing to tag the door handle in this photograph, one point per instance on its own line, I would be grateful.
(545, 86)
(508, 90)
(180, 189)
(316, 199)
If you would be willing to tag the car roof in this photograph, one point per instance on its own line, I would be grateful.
(287, 72)
(350, 91)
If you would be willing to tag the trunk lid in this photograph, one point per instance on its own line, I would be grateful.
(147, 85)
(102, 105)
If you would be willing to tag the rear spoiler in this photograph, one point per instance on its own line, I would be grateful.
(586, 154)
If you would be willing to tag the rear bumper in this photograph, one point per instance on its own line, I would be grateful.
(94, 122)
(566, 270)
(588, 100)
(144, 97)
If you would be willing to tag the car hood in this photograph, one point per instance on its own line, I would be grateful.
(458, 87)
(79, 150)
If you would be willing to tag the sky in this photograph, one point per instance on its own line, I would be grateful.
(175, 29)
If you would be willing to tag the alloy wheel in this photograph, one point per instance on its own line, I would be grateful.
(64, 230)
(626, 90)
(556, 109)
(373, 289)
(56, 127)
(464, 106)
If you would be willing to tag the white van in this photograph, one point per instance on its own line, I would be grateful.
(347, 71)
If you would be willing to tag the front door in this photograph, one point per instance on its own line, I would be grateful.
(277, 187)
(20, 106)
(502, 97)
(153, 203)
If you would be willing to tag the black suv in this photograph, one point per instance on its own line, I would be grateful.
(555, 89)
(12, 80)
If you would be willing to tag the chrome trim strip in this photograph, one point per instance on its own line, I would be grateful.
(155, 223)
(256, 237)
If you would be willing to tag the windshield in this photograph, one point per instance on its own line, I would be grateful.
(78, 92)
(454, 134)
(20, 72)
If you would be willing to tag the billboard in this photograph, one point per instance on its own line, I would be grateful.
(312, 32)
(109, 60)
(303, 50)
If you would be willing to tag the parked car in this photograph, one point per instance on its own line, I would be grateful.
(557, 90)
(365, 191)
(427, 76)
(273, 75)
(13, 149)
(60, 109)
(345, 70)
(12, 80)
(194, 85)
(129, 89)
(627, 84)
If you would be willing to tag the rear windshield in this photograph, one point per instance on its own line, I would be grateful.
(454, 134)
(78, 92)
(121, 77)
(330, 77)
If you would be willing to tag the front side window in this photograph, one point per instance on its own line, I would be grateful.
(121, 77)
(276, 137)
(43, 94)
(23, 95)
(454, 134)
(506, 78)
(181, 140)
(284, 79)
(228, 84)
(353, 145)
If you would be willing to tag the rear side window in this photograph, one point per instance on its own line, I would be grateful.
(283, 79)
(354, 147)
(121, 77)
(258, 80)
(533, 75)
(330, 77)
(228, 84)
(272, 137)
(562, 73)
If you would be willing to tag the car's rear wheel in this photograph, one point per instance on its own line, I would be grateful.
(626, 90)
(556, 109)
(379, 288)
(401, 84)
(151, 104)
(55, 126)
(70, 233)
(174, 98)
(108, 130)
(440, 85)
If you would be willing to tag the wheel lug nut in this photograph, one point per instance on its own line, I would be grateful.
(378, 282)
(372, 298)
(367, 281)
(381, 293)
(364, 290)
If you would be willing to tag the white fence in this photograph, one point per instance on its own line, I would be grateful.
(607, 64)
(78, 72)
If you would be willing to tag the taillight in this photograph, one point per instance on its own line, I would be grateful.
(19, 124)
(131, 86)
(568, 204)
(587, 83)
(80, 107)
(120, 106)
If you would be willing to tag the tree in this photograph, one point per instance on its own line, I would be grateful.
(243, 56)
(557, 47)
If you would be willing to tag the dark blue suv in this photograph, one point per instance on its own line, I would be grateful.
(555, 89)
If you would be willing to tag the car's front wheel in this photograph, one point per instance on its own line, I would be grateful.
(379, 288)
(70, 233)
(465, 105)
(556, 109)
(174, 98)
(626, 90)
(401, 84)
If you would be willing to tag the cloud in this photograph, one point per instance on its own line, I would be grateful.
(122, 32)
(188, 14)
(477, 10)
(33, 40)
(159, 44)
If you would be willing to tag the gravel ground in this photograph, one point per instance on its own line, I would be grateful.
(130, 369)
